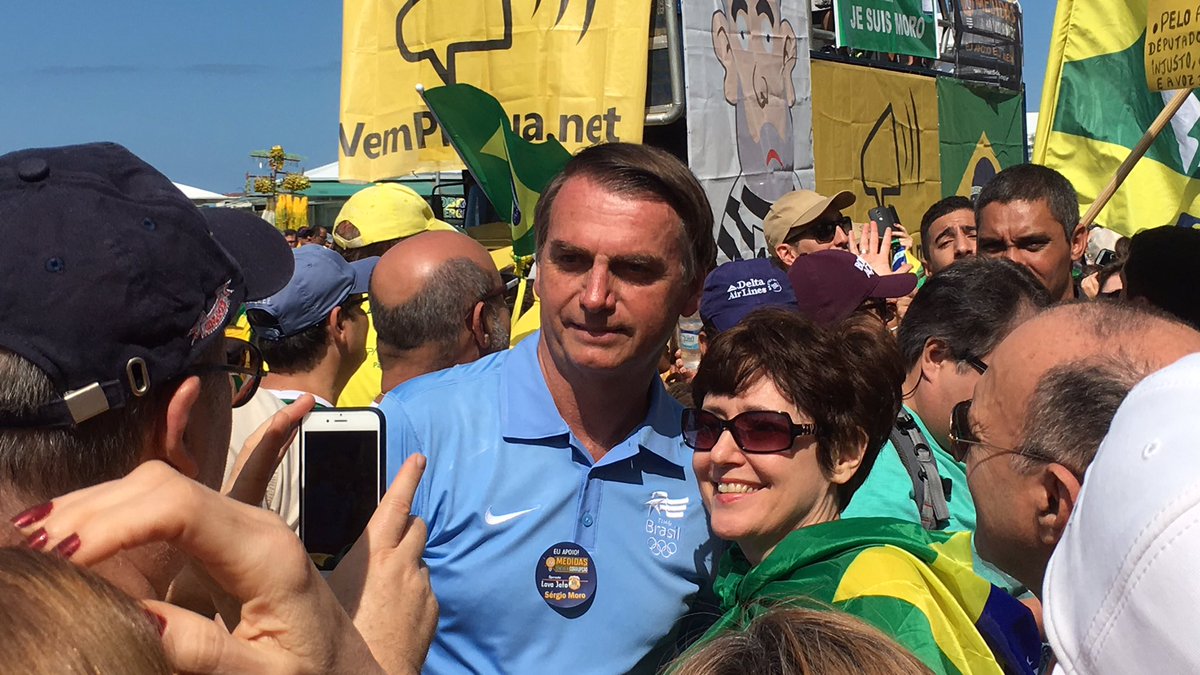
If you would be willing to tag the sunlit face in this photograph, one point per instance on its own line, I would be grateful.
(757, 499)
(950, 238)
(1027, 233)
(611, 280)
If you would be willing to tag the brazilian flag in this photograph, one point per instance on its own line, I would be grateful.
(511, 170)
(1095, 108)
(916, 586)
(981, 131)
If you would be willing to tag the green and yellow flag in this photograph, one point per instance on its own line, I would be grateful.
(511, 170)
(1096, 107)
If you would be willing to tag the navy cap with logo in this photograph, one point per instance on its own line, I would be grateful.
(322, 281)
(738, 287)
(831, 284)
(114, 282)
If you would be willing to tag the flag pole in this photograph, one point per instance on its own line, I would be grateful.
(1138, 151)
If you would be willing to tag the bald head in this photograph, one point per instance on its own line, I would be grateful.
(1081, 336)
(1040, 413)
(405, 270)
(436, 301)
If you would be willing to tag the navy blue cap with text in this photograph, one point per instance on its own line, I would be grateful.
(739, 287)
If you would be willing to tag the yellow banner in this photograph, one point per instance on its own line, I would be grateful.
(875, 133)
(574, 69)
(1172, 36)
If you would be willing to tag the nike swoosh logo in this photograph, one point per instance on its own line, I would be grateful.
(492, 519)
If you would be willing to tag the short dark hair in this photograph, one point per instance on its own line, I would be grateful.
(941, 208)
(971, 305)
(643, 172)
(847, 377)
(1155, 270)
(436, 313)
(47, 462)
(306, 232)
(1031, 183)
(297, 353)
(289, 231)
(1073, 406)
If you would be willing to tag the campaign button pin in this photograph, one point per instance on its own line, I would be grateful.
(566, 578)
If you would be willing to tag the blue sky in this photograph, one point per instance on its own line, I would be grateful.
(193, 87)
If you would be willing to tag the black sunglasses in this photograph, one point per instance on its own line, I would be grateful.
(754, 431)
(244, 365)
(962, 438)
(822, 231)
(976, 363)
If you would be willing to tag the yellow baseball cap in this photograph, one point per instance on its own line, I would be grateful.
(797, 209)
(381, 213)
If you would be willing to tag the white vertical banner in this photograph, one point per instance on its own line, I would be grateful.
(749, 111)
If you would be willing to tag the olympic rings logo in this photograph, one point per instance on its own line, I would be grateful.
(662, 548)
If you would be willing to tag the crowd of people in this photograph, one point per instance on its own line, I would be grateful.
(971, 462)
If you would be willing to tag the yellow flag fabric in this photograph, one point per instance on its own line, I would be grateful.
(573, 69)
(880, 143)
(1096, 106)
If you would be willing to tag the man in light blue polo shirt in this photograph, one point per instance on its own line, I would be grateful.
(565, 525)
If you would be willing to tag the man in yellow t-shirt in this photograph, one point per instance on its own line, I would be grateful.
(369, 224)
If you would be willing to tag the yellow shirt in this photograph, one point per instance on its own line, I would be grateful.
(367, 381)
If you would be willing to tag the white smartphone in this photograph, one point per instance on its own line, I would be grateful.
(342, 459)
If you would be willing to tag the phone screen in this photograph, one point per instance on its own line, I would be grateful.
(342, 471)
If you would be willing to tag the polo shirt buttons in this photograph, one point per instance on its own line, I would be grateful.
(587, 520)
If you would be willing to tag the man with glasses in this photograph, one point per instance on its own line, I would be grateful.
(1039, 414)
(946, 340)
(111, 344)
(438, 302)
(804, 222)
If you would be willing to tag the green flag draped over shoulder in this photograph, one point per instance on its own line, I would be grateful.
(1095, 108)
(511, 170)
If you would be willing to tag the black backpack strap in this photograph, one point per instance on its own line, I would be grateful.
(929, 490)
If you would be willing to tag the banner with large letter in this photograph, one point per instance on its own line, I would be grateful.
(876, 134)
(572, 69)
(981, 131)
(749, 111)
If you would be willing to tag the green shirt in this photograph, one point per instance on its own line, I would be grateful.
(888, 493)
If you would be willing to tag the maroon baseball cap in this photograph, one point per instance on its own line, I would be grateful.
(831, 284)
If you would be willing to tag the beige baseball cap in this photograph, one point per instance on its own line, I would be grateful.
(797, 209)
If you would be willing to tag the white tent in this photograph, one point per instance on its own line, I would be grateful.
(198, 195)
(325, 172)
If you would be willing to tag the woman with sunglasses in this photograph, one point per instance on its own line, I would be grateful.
(790, 419)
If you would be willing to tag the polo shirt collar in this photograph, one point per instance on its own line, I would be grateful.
(528, 411)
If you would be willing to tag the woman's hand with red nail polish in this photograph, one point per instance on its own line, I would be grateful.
(290, 619)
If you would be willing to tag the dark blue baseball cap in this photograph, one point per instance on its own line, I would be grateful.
(114, 282)
(322, 280)
(739, 287)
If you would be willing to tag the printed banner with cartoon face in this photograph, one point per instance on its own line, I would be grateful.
(749, 111)
(574, 69)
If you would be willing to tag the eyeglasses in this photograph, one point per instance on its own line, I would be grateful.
(823, 231)
(976, 363)
(881, 308)
(354, 302)
(754, 431)
(243, 363)
(962, 438)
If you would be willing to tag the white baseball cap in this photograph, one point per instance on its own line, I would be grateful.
(1122, 593)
